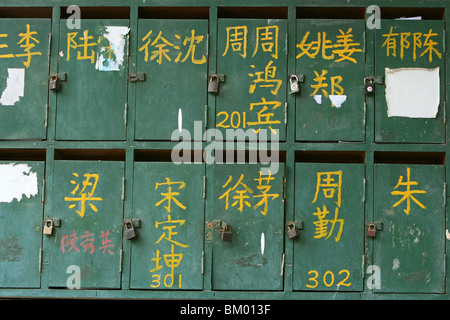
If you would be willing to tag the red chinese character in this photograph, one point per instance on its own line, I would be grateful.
(105, 242)
(88, 242)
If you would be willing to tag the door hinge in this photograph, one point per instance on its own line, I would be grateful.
(203, 262)
(206, 116)
(364, 190)
(286, 49)
(120, 260)
(207, 45)
(284, 188)
(138, 76)
(444, 194)
(43, 191)
(363, 262)
(204, 188)
(282, 264)
(285, 112)
(40, 260)
(125, 115)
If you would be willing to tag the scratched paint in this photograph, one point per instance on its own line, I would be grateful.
(16, 181)
(15, 85)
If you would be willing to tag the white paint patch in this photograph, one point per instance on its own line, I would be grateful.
(395, 264)
(318, 98)
(116, 37)
(412, 92)
(447, 234)
(263, 243)
(337, 100)
(180, 120)
(15, 85)
(16, 181)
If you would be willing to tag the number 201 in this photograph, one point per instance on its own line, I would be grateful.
(328, 278)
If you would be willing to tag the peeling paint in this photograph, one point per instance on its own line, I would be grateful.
(395, 264)
(15, 85)
(447, 234)
(337, 100)
(16, 181)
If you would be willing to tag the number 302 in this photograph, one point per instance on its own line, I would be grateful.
(328, 278)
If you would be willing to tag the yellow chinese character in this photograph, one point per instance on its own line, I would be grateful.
(390, 43)
(25, 42)
(306, 47)
(193, 40)
(267, 38)
(265, 79)
(7, 55)
(264, 189)
(408, 193)
(170, 195)
(346, 46)
(241, 194)
(170, 231)
(161, 48)
(84, 196)
(265, 118)
(429, 45)
(237, 37)
(326, 181)
(322, 224)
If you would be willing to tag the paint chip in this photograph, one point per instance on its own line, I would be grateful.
(111, 58)
(318, 98)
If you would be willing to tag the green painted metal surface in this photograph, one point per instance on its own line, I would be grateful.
(24, 78)
(173, 56)
(89, 203)
(331, 55)
(252, 57)
(100, 122)
(21, 225)
(420, 44)
(91, 56)
(329, 207)
(252, 205)
(410, 249)
(168, 200)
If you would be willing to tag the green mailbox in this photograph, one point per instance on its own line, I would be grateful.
(172, 56)
(410, 209)
(93, 71)
(21, 207)
(410, 55)
(250, 205)
(24, 63)
(252, 66)
(331, 57)
(329, 212)
(168, 202)
(87, 215)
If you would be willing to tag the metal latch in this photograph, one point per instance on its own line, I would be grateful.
(370, 82)
(138, 76)
(55, 79)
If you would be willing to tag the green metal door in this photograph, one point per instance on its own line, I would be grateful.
(253, 206)
(88, 198)
(21, 210)
(410, 55)
(92, 102)
(168, 199)
(252, 57)
(410, 250)
(24, 63)
(331, 56)
(173, 55)
(329, 210)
